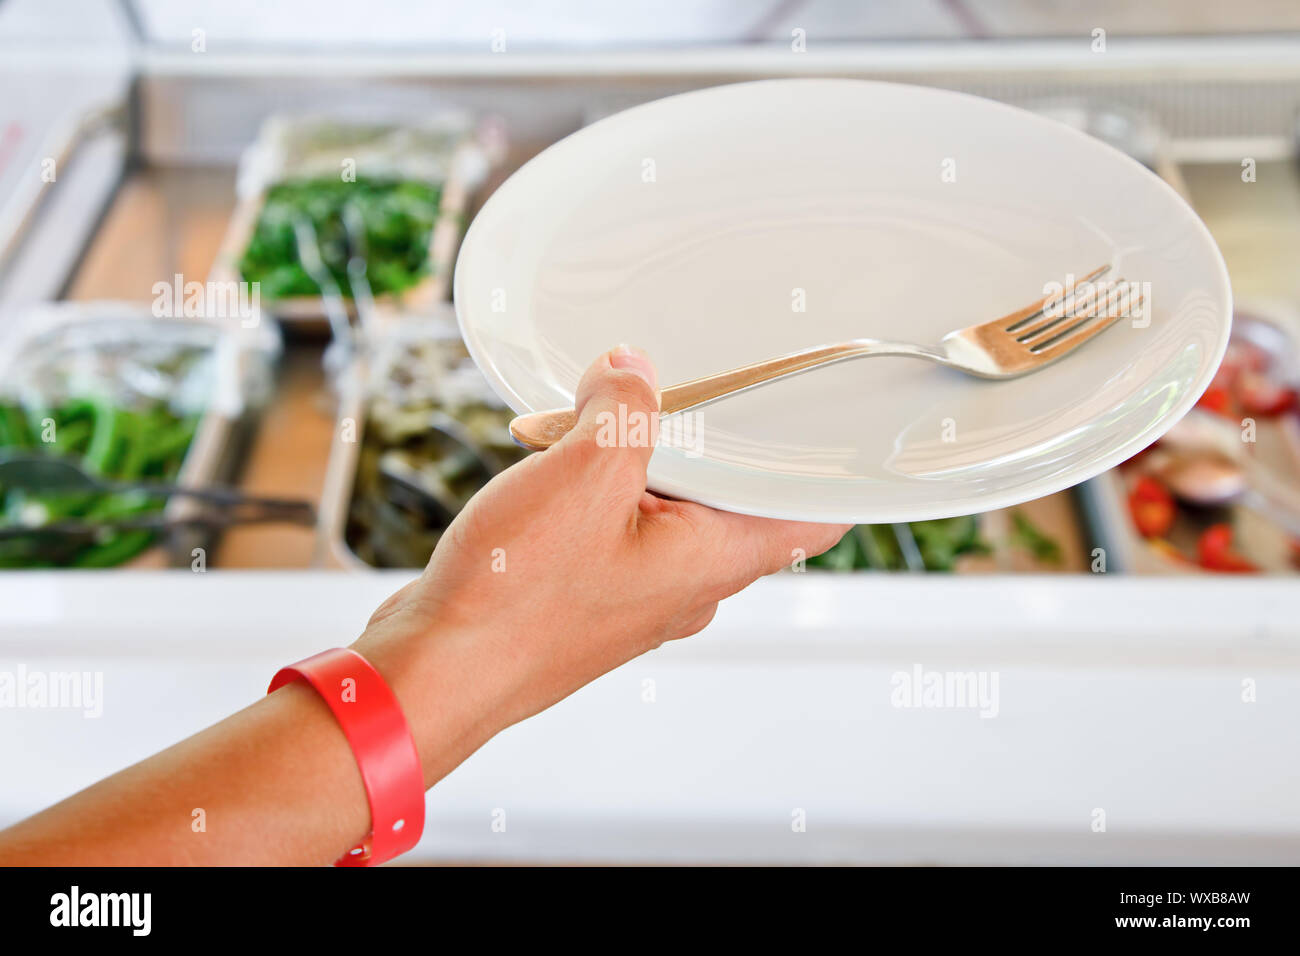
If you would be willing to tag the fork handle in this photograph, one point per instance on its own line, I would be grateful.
(540, 430)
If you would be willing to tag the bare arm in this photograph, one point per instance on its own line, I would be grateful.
(276, 784)
(560, 570)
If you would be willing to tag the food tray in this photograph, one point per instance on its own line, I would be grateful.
(1041, 536)
(242, 368)
(1274, 329)
(446, 151)
(416, 365)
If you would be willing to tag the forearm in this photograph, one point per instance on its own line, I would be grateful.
(275, 783)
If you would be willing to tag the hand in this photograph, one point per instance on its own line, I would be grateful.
(563, 568)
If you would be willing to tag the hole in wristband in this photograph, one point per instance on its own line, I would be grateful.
(356, 851)
(398, 825)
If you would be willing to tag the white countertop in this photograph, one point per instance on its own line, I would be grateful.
(1123, 694)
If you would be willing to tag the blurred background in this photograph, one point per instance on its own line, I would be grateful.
(156, 156)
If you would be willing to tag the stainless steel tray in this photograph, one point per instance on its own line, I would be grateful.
(1275, 330)
(457, 160)
(242, 367)
(445, 382)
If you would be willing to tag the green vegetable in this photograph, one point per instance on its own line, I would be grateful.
(144, 443)
(943, 541)
(398, 215)
(114, 550)
(874, 547)
(13, 427)
(1026, 535)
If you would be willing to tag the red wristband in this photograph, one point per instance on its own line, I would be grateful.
(381, 741)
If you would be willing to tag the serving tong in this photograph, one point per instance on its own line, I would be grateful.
(49, 474)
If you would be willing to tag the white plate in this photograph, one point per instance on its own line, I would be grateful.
(686, 226)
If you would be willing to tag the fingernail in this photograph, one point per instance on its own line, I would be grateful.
(634, 360)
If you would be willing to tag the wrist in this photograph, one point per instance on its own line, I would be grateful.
(450, 712)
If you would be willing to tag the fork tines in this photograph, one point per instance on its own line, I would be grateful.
(1075, 314)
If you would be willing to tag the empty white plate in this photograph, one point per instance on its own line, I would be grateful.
(733, 224)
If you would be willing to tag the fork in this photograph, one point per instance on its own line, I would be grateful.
(1016, 344)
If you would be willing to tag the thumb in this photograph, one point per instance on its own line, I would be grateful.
(618, 406)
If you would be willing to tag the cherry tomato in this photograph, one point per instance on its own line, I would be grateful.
(1214, 549)
(1152, 508)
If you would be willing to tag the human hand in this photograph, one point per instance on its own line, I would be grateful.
(561, 569)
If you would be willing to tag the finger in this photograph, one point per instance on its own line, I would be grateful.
(618, 408)
(769, 544)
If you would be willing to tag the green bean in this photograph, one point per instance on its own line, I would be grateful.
(106, 440)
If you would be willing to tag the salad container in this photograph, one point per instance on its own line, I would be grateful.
(130, 396)
(1248, 417)
(419, 432)
(412, 184)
